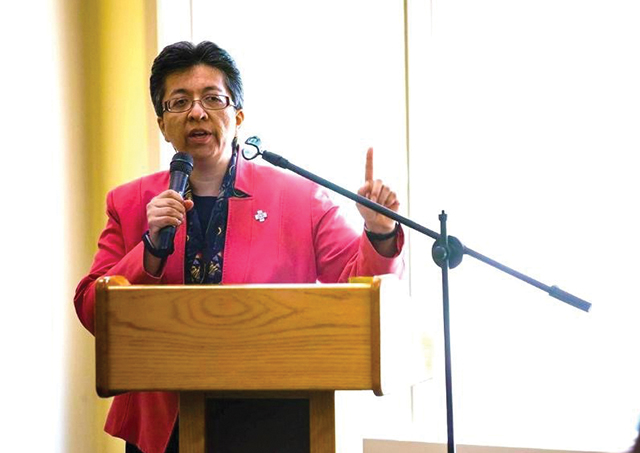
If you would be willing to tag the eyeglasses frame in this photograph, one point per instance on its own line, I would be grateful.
(165, 104)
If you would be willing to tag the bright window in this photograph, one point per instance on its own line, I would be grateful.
(525, 127)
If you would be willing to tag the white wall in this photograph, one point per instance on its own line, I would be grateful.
(35, 295)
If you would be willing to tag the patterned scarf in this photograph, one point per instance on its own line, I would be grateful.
(205, 243)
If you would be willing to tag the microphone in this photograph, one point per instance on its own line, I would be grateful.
(180, 169)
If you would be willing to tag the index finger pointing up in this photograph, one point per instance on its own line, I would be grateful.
(368, 170)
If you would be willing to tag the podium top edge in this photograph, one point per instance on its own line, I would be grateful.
(260, 286)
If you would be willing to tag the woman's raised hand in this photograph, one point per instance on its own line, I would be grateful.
(377, 191)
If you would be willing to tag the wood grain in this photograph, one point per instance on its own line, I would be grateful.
(102, 325)
(255, 337)
(192, 422)
(322, 422)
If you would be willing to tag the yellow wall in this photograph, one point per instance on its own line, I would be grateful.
(107, 49)
(119, 46)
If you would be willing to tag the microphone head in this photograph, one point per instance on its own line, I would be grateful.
(253, 150)
(181, 162)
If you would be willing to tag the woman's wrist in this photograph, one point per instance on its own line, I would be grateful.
(153, 258)
(382, 236)
(150, 247)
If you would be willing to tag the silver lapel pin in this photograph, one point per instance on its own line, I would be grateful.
(260, 216)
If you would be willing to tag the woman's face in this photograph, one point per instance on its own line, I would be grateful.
(204, 134)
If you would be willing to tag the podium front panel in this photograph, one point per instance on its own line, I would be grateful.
(254, 337)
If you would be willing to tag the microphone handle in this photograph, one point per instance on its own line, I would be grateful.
(165, 238)
(178, 183)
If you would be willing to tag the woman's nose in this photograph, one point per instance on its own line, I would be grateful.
(197, 110)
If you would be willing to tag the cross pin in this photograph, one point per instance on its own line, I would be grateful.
(260, 216)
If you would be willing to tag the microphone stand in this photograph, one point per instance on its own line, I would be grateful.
(447, 253)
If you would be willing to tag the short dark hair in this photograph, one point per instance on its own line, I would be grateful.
(184, 55)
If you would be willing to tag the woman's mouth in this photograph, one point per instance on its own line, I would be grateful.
(199, 136)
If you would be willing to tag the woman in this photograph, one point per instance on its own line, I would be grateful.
(251, 224)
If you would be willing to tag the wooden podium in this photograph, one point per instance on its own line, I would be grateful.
(253, 341)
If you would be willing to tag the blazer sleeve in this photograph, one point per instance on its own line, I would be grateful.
(342, 252)
(114, 257)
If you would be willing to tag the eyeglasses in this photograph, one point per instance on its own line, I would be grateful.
(208, 102)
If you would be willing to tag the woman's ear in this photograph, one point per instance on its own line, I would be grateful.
(239, 118)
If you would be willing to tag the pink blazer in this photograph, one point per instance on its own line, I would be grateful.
(303, 239)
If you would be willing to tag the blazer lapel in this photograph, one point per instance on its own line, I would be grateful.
(237, 244)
